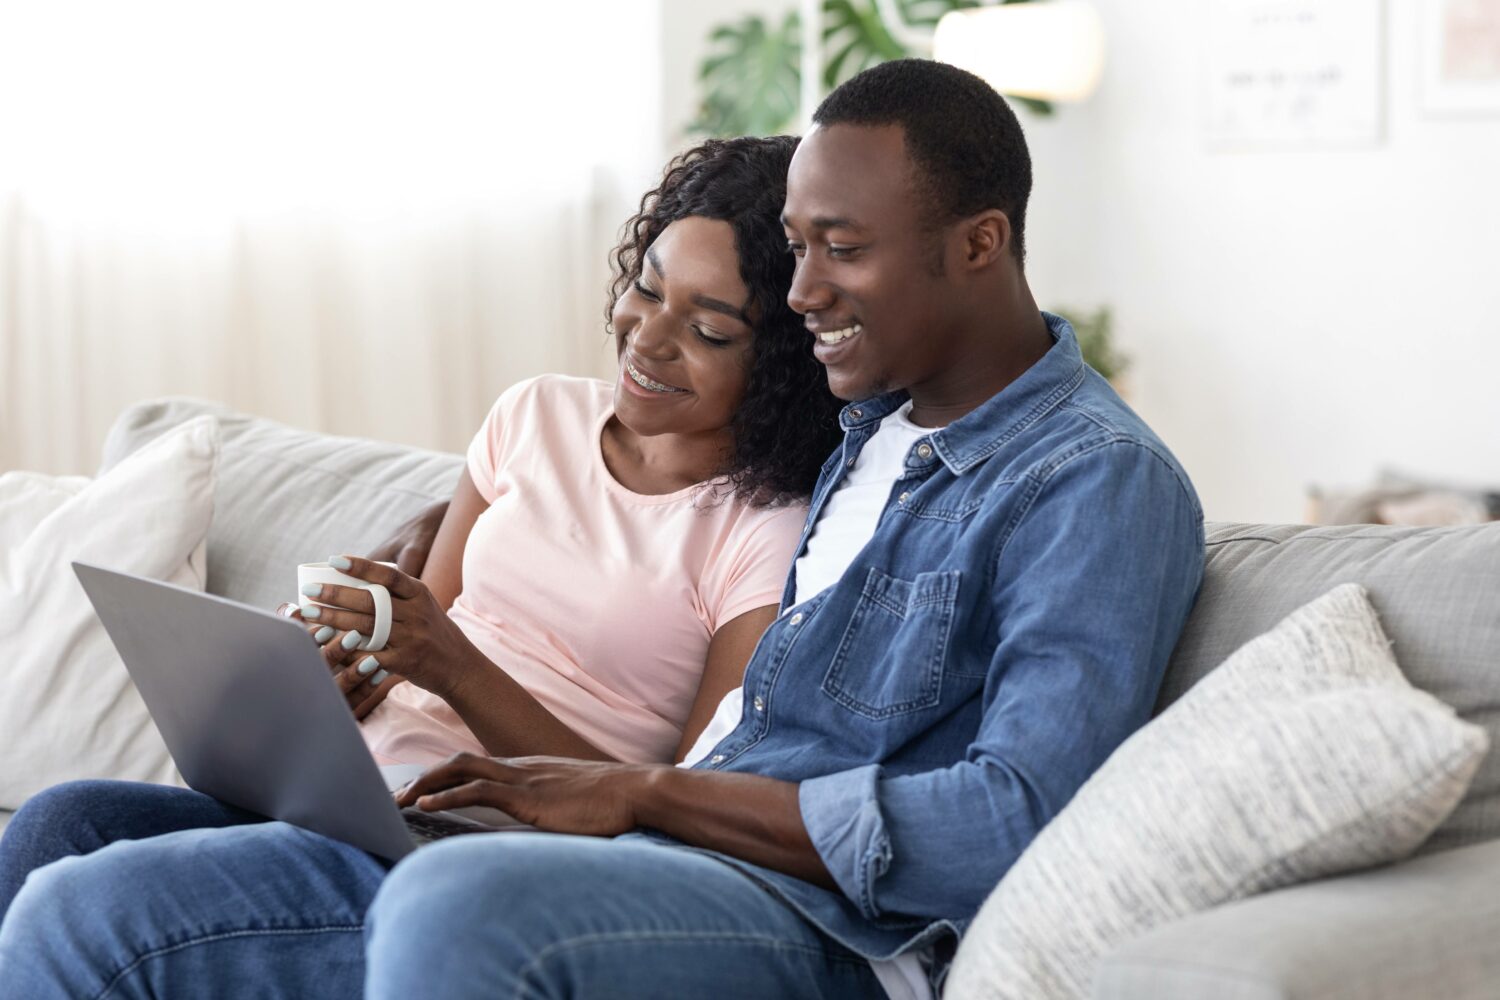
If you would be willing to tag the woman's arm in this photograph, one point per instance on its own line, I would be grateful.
(724, 670)
(443, 572)
(509, 722)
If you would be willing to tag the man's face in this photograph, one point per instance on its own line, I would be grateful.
(868, 275)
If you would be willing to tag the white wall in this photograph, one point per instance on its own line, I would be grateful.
(1296, 317)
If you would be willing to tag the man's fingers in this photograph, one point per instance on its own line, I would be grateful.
(470, 793)
(457, 770)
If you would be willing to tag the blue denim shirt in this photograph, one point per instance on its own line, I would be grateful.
(1003, 631)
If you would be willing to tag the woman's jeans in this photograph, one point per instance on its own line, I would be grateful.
(269, 909)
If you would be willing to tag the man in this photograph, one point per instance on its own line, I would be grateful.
(997, 564)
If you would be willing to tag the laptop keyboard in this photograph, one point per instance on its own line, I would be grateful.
(426, 827)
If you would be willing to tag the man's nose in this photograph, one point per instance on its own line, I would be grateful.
(809, 293)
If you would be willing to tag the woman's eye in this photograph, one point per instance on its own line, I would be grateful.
(834, 250)
(646, 293)
(796, 249)
(709, 338)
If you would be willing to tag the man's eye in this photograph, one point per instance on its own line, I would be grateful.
(646, 293)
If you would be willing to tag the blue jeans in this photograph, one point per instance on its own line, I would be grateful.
(204, 912)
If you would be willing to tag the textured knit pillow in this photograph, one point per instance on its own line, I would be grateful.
(68, 709)
(1305, 754)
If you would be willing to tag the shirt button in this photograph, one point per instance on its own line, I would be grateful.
(760, 704)
(849, 464)
(856, 414)
(795, 619)
(902, 498)
(717, 758)
(924, 450)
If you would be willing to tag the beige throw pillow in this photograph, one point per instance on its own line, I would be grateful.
(67, 707)
(1305, 754)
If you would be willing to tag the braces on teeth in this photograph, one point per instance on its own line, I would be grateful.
(651, 384)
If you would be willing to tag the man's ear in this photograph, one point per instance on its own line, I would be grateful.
(986, 238)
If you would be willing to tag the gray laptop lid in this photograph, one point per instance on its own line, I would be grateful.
(248, 709)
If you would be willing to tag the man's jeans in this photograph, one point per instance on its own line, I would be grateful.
(274, 910)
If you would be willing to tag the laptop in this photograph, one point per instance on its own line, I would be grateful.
(252, 716)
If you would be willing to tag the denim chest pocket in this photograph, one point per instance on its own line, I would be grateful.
(890, 659)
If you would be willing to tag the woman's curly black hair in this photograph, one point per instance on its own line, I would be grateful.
(787, 423)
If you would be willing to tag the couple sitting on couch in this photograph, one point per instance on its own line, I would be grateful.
(996, 564)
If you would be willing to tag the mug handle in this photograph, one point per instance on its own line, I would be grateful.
(382, 617)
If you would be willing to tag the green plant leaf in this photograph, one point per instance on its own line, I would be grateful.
(751, 78)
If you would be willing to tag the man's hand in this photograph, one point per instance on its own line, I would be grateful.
(409, 546)
(550, 793)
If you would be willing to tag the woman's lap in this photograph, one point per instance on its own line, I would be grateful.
(199, 912)
(80, 817)
(191, 912)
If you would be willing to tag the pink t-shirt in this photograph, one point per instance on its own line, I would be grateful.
(599, 601)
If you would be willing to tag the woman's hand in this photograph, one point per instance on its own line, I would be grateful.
(362, 696)
(550, 793)
(424, 646)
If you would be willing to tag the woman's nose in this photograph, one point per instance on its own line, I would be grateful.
(652, 337)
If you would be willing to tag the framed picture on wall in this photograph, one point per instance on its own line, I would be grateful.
(1460, 59)
(1293, 74)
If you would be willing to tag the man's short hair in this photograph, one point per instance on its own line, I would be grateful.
(968, 147)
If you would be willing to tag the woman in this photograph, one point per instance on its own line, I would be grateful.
(611, 554)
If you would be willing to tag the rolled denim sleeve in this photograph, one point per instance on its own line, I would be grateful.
(1090, 591)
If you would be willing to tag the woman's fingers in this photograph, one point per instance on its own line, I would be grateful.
(352, 598)
(398, 583)
(366, 697)
(338, 618)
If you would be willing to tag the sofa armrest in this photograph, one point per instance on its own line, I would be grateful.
(1423, 928)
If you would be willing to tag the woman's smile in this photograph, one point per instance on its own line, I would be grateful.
(646, 382)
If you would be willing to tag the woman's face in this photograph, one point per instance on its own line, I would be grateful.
(683, 333)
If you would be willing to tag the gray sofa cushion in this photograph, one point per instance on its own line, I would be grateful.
(1438, 594)
(1424, 928)
(287, 496)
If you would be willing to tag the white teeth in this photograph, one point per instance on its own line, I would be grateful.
(647, 383)
(835, 336)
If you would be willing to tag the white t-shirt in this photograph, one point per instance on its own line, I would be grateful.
(846, 524)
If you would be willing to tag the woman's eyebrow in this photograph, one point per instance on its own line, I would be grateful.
(703, 301)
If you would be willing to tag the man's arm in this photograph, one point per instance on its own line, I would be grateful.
(1092, 589)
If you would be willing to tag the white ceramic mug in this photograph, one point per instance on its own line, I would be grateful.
(321, 572)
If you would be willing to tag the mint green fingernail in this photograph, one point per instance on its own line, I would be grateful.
(339, 562)
(351, 640)
(324, 634)
(378, 678)
(312, 589)
(367, 666)
(308, 611)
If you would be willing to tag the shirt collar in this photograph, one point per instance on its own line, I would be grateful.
(978, 434)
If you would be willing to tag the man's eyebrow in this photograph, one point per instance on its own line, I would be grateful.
(703, 301)
(828, 222)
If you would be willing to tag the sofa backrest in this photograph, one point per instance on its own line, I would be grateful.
(286, 496)
(1437, 591)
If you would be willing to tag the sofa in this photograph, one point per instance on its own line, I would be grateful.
(1426, 927)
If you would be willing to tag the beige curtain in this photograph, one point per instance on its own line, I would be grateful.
(362, 219)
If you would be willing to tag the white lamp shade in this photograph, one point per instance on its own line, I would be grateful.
(1050, 51)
